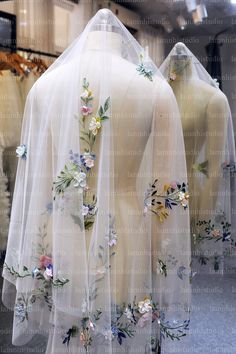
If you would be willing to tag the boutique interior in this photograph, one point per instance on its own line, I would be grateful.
(184, 52)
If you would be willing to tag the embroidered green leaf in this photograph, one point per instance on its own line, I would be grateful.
(202, 167)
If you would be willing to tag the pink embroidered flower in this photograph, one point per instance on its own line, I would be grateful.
(216, 233)
(45, 261)
(85, 110)
(173, 76)
(173, 185)
(145, 319)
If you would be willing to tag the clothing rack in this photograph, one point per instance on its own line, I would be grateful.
(31, 51)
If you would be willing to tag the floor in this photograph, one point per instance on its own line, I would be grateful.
(213, 321)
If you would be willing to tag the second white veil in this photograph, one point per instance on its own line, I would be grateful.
(210, 153)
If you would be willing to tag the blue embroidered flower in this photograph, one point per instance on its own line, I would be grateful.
(21, 151)
(21, 310)
(35, 272)
(49, 207)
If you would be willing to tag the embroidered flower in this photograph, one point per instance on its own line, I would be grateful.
(45, 261)
(108, 334)
(80, 180)
(49, 207)
(20, 311)
(87, 160)
(216, 233)
(84, 306)
(86, 94)
(35, 272)
(173, 76)
(145, 306)
(91, 325)
(183, 198)
(86, 110)
(82, 338)
(85, 210)
(48, 274)
(101, 271)
(174, 185)
(128, 314)
(145, 319)
(112, 238)
(21, 151)
(95, 125)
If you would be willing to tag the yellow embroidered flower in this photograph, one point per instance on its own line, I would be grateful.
(95, 125)
(86, 94)
(166, 187)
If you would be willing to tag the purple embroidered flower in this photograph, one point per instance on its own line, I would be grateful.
(74, 157)
(49, 207)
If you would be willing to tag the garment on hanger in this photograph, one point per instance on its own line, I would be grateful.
(210, 152)
(99, 244)
(11, 114)
(17, 76)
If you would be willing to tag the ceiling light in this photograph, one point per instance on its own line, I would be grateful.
(181, 22)
(191, 5)
(197, 18)
(233, 1)
(202, 11)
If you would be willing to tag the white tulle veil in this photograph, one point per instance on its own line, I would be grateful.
(210, 152)
(80, 275)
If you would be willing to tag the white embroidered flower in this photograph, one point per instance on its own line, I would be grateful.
(48, 274)
(108, 334)
(111, 238)
(80, 178)
(101, 271)
(95, 125)
(183, 198)
(145, 210)
(21, 151)
(85, 210)
(128, 313)
(84, 306)
(145, 306)
(91, 325)
(89, 162)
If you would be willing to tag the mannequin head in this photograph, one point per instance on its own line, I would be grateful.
(180, 64)
(105, 35)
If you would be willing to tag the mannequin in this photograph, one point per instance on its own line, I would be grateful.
(139, 139)
(204, 113)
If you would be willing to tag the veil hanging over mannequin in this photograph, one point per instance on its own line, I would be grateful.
(99, 247)
(210, 153)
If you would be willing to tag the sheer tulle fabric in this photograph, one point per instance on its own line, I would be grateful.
(91, 281)
(210, 153)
